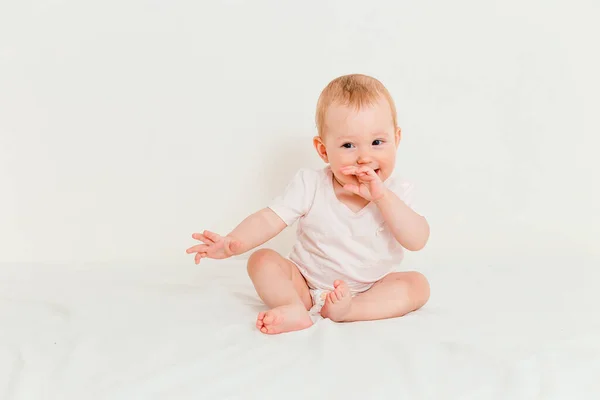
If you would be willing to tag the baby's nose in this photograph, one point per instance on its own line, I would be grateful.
(364, 159)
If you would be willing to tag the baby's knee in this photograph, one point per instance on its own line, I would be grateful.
(420, 289)
(413, 288)
(259, 258)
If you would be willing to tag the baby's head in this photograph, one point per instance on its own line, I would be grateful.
(356, 124)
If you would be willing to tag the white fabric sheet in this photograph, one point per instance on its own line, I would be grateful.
(522, 330)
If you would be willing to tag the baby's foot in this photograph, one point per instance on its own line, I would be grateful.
(337, 303)
(283, 319)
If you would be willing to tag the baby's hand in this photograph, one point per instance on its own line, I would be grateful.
(215, 246)
(370, 186)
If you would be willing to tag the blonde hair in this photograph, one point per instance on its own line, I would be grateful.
(352, 90)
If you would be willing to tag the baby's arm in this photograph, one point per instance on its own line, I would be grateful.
(257, 229)
(253, 231)
(410, 229)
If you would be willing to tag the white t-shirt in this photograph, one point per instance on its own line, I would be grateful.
(334, 242)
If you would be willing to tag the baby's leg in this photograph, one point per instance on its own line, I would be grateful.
(393, 296)
(283, 289)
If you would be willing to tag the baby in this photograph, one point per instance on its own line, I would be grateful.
(355, 219)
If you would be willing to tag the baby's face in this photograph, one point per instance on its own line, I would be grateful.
(360, 137)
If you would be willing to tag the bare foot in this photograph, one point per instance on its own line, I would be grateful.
(283, 319)
(337, 303)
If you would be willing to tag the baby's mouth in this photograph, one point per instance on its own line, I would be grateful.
(377, 171)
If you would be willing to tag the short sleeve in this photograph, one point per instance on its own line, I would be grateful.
(297, 197)
(406, 191)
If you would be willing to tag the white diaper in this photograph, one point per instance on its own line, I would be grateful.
(318, 298)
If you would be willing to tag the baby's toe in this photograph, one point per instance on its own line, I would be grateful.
(332, 297)
(335, 296)
(268, 319)
(259, 320)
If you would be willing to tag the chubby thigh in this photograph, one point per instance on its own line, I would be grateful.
(411, 287)
(267, 264)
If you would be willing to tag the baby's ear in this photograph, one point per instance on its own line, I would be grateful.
(321, 149)
(398, 136)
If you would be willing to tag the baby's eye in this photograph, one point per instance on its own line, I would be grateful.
(347, 145)
(377, 142)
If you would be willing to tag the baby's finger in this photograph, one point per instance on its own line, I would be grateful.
(365, 177)
(368, 175)
(367, 171)
(202, 238)
(349, 170)
(352, 188)
(212, 236)
(199, 256)
(199, 248)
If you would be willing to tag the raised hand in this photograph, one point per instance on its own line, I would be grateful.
(370, 185)
(215, 246)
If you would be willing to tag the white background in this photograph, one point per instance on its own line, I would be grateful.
(127, 125)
